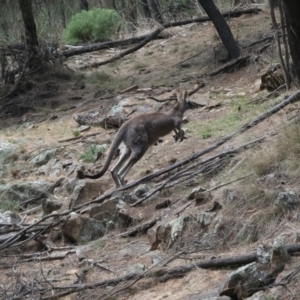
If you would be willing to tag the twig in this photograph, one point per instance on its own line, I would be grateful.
(229, 182)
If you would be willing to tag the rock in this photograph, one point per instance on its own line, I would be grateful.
(196, 190)
(126, 219)
(8, 152)
(107, 211)
(205, 218)
(83, 190)
(165, 234)
(52, 168)
(246, 280)
(141, 191)
(81, 229)
(83, 128)
(43, 157)
(279, 246)
(9, 217)
(21, 192)
(49, 206)
(286, 201)
(138, 268)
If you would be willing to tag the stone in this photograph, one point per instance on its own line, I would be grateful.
(83, 128)
(52, 168)
(43, 157)
(126, 219)
(166, 233)
(9, 217)
(287, 201)
(81, 229)
(107, 211)
(141, 191)
(83, 190)
(198, 189)
(205, 218)
(21, 192)
(8, 152)
(50, 205)
(248, 279)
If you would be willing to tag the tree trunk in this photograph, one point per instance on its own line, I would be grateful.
(292, 11)
(3, 22)
(31, 38)
(83, 4)
(146, 9)
(62, 13)
(273, 3)
(157, 14)
(222, 28)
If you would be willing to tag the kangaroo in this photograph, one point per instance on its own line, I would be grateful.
(138, 134)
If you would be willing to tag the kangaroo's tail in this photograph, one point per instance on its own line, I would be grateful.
(112, 150)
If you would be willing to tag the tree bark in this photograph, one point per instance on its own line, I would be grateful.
(146, 8)
(157, 14)
(292, 11)
(62, 13)
(83, 4)
(31, 38)
(222, 28)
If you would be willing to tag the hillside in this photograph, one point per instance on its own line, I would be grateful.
(239, 196)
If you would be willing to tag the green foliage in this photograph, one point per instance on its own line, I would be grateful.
(93, 153)
(95, 24)
(8, 204)
(76, 133)
(89, 155)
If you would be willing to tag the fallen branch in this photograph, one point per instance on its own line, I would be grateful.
(229, 67)
(124, 53)
(139, 229)
(141, 39)
(201, 166)
(160, 274)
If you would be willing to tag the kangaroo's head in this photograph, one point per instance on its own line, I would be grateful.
(182, 103)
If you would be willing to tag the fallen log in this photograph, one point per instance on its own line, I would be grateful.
(160, 274)
(134, 40)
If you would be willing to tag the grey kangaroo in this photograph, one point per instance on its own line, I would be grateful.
(138, 134)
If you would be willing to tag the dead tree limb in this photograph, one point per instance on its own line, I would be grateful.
(237, 63)
(139, 229)
(126, 52)
(140, 39)
(161, 274)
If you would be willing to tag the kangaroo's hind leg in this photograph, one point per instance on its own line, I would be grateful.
(136, 154)
(114, 171)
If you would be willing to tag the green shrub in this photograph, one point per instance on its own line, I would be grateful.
(95, 24)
